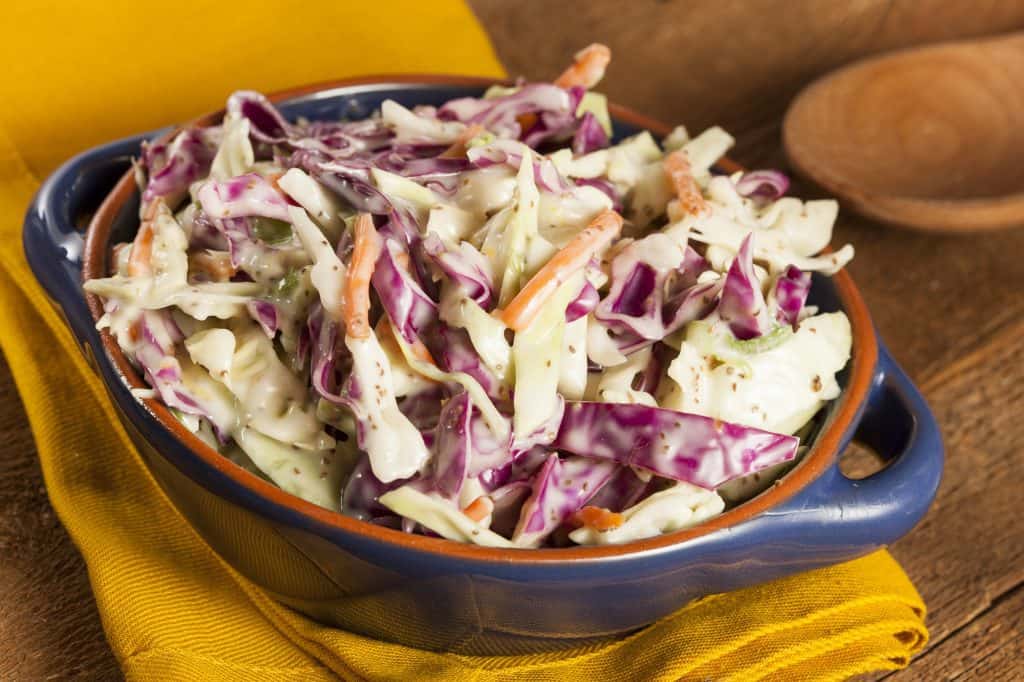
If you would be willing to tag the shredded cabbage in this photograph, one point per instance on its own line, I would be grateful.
(528, 376)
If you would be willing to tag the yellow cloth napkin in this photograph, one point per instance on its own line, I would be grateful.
(84, 72)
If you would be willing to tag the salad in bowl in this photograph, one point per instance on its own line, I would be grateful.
(484, 321)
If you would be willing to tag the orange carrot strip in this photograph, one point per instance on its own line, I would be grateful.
(598, 518)
(526, 120)
(479, 509)
(677, 167)
(386, 334)
(357, 284)
(216, 265)
(458, 148)
(142, 247)
(522, 309)
(587, 68)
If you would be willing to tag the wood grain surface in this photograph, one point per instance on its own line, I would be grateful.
(906, 147)
(951, 310)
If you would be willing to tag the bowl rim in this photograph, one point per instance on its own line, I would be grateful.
(822, 454)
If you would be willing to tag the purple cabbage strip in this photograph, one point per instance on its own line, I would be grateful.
(173, 167)
(452, 349)
(742, 304)
(590, 135)
(688, 271)
(405, 302)
(453, 445)
(243, 196)
(499, 114)
(439, 174)
(767, 184)
(325, 354)
(362, 490)
(555, 125)
(465, 266)
(423, 408)
(585, 302)
(238, 236)
(508, 502)
(489, 452)
(519, 467)
(691, 304)
(510, 153)
(265, 122)
(265, 313)
(155, 356)
(791, 292)
(684, 447)
(623, 490)
(560, 489)
(205, 234)
(635, 298)
(341, 138)
(644, 303)
(348, 178)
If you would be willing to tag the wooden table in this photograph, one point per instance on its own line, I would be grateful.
(950, 309)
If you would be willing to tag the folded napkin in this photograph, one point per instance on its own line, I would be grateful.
(87, 72)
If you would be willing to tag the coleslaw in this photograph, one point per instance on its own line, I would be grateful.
(487, 321)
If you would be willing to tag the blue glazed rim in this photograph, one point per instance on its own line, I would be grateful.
(814, 502)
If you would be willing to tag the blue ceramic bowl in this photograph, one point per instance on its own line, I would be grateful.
(435, 594)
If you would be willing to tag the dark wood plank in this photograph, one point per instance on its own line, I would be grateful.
(967, 556)
(736, 64)
(988, 648)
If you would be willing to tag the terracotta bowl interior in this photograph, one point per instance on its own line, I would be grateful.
(840, 415)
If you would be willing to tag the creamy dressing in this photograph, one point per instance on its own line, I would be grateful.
(328, 273)
(681, 506)
(537, 353)
(234, 155)
(324, 207)
(486, 332)
(395, 447)
(778, 389)
(251, 383)
(441, 517)
(271, 398)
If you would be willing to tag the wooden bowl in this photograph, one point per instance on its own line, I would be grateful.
(929, 138)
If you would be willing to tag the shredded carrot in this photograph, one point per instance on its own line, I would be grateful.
(522, 309)
(357, 284)
(598, 518)
(458, 148)
(272, 178)
(677, 167)
(216, 265)
(526, 121)
(587, 68)
(142, 248)
(117, 254)
(479, 509)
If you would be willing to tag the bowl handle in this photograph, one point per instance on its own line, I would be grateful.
(52, 236)
(873, 511)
